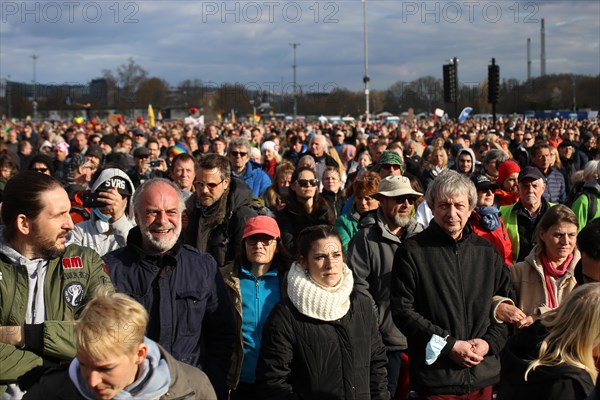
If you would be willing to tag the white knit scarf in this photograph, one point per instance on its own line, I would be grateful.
(317, 301)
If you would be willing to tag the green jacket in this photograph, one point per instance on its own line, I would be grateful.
(69, 283)
(581, 205)
(511, 222)
(347, 226)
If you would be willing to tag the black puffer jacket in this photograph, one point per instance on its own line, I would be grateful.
(305, 358)
(444, 287)
(224, 238)
(544, 383)
(293, 219)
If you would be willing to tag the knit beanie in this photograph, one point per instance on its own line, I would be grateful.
(505, 169)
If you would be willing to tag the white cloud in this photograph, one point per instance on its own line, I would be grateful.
(249, 41)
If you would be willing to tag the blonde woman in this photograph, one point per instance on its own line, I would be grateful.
(554, 358)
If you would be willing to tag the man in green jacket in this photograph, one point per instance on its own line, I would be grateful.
(522, 217)
(43, 283)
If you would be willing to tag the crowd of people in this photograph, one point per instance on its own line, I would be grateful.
(423, 259)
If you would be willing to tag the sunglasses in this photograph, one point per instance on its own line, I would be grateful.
(254, 240)
(527, 139)
(308, 182)
(402, 199)
(390, 166)
(210, 185)
(238, 153)
(42, 170)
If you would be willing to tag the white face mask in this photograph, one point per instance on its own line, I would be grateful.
(434, 348)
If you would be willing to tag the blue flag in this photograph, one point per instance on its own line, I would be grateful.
(464, 114)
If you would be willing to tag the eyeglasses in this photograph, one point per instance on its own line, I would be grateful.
(402, 199)
(42, 170)
(264, 240)
(390, 166)
(308, 182)
(209, 185)
(238, 153)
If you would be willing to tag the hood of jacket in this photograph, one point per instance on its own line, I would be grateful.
(471, 153)
(111, 173)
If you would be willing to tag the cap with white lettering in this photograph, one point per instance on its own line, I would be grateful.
(115, 182)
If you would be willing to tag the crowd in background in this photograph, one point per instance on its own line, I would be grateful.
(276, 203)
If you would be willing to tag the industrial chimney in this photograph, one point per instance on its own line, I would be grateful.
(528, 58)
(543, 55)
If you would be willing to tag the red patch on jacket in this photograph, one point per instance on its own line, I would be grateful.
(72, 263)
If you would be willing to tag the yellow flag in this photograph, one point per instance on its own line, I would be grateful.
(151, 116)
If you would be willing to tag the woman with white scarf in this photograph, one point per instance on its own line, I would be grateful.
(323, 341)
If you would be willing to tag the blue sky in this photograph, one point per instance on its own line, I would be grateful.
(249, 42)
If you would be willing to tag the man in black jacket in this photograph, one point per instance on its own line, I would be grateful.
(217, 212)
(443, 281)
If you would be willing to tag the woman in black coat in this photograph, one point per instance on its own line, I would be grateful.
(323, 341)
(304, 207)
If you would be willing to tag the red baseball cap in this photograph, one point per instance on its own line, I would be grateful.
(261, 224)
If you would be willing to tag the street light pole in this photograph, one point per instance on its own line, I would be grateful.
(294, 45)
(34, 57)
(8, 98)
(366, 78)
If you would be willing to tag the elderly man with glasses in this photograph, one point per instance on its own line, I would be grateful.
(244, 168)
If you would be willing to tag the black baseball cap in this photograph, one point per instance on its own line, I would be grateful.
(531, 173)
(482, 182)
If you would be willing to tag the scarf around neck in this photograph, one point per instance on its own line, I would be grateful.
(489, 217)
(152, 382)
(551, 270)
(317, 301)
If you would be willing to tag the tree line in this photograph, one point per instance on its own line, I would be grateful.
(130, 87)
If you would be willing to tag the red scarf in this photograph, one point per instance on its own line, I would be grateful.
(551, 270)
(269, 167)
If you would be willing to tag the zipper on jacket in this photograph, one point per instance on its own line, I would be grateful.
(464, 304)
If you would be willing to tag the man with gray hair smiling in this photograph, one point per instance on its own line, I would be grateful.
(180, 287)
(443, 281)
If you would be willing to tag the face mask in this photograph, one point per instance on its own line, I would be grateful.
(99, 215)
(434, 348)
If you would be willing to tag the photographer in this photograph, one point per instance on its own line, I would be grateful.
(111, 213)
(145, 167)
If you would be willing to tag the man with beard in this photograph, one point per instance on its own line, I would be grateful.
(371, 254)
(180, 287)
(522, 217)
(42, 283)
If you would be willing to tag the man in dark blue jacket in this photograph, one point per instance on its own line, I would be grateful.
(181, 288)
